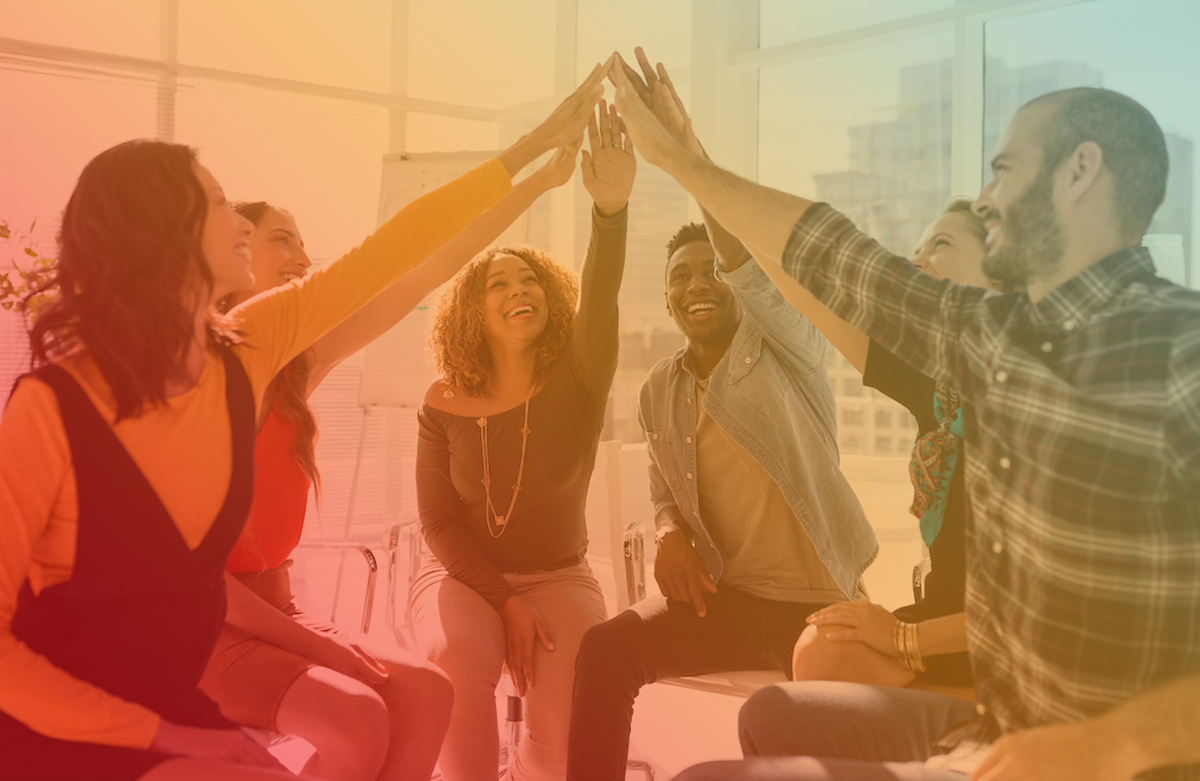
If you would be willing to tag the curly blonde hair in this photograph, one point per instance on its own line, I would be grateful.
(458, 342)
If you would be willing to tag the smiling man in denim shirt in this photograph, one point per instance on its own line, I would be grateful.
(756, 525)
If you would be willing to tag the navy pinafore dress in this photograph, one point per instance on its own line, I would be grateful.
(141, 612)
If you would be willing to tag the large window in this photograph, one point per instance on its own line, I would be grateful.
(129, 27)
(309, 41)
(885, 109)
(54, 120)
(492, 55)
(658, 206)
(1145, 50)
(789, 21)
(868, 131)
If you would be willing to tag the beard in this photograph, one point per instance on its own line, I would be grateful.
(1032, 244)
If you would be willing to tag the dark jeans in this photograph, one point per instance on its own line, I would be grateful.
(657, 639)
(827, 730)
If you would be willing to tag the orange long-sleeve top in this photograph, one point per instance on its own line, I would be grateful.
(182, 447)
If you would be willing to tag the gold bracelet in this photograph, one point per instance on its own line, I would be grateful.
(917, 664)
(905, 639)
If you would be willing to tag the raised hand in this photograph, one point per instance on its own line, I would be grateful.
(608, 171)
(557, 171)
(562, 127)
(643, 89)
(652, 138)
(568, 120)
(658, 94)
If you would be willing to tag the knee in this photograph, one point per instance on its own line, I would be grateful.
(419, 686)
(468, 666)
(759, 718)
(816, 659)
(365, 709)
(357, 745)
(604, 647)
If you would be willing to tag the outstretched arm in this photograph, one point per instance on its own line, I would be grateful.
(658, 94)
(918, 318)
(393, 304)
(563, 125)
(608, 173)
(280, 324)
(760, 217)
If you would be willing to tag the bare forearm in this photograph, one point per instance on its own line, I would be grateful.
(393, 304)
(761, 218)
(522, 153)
(944, 635)
(731, 253)
(1159, 727)
(248, 612)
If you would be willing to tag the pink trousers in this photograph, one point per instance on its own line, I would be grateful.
(460, 632)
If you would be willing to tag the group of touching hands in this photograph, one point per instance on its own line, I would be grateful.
(655, 119)
(608, 173)
(647, 111)
(646, 108)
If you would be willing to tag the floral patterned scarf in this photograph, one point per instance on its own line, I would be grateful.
(934, 458)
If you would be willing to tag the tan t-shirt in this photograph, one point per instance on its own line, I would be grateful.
(764, 548)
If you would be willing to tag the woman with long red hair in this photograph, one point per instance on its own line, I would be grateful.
(126, 457)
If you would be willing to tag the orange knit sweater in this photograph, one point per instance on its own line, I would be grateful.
(183, 448)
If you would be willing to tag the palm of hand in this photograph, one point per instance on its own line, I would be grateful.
(611, 175)
(560, 167)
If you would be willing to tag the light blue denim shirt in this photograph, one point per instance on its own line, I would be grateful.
(771, 394)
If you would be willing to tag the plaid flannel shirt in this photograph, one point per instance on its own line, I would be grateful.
(1082, 417)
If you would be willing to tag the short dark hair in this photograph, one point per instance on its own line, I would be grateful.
(693, 231)
(1133, 144)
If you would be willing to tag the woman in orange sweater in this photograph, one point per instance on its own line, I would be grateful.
(377, 713)
(126, 457)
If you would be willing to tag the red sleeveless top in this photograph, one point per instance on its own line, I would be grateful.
(280, 500)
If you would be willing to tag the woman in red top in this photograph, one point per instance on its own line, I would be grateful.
(381, 714)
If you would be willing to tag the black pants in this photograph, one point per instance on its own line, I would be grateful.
(657, 639)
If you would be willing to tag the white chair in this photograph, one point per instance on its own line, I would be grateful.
(372, 574)
(288, 749)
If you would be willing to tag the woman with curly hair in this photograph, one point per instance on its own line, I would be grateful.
(127, 456)
(508, 439)
(370, 711)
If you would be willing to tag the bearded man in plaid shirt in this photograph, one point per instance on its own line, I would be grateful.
(1081, 396)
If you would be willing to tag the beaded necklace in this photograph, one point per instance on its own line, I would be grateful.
(490, 514)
